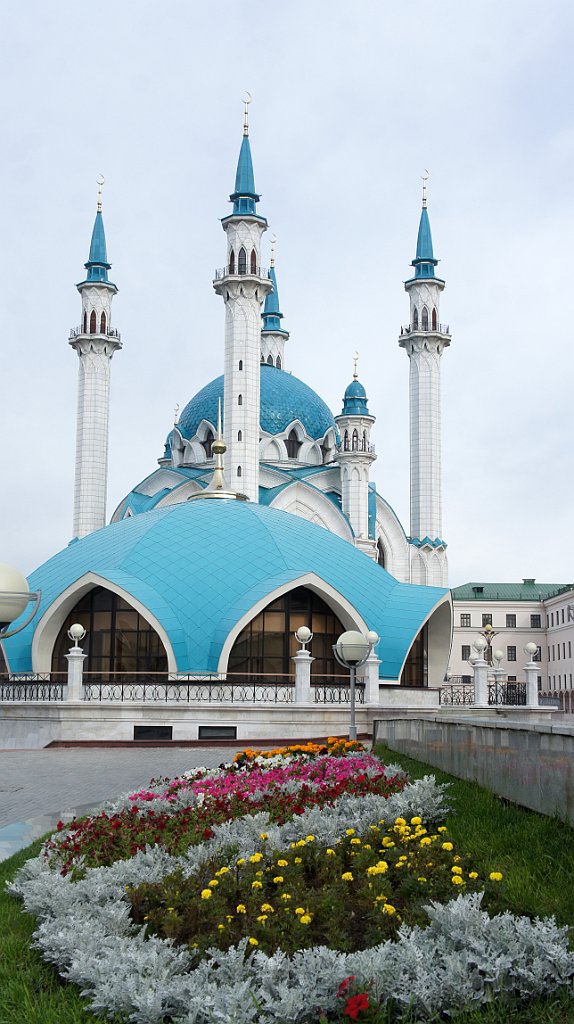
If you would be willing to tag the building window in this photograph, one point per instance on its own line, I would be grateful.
(278, 362)
(239, 436)
(270, 359)
(535, 621)
(118, 638)
(293, 445)
(486, 620)
(85, 323)
(511, 679)
(511, 621)
(242, 261)
(207, 443)
(232, 262)
(355, 440)
(380, 553)
(239, 471)
(465, 620)
(103, 323)
(538, 654)
(425, 319)
(551, 618)
(346, 441)
(415, 319)
(569, 648)
(240, 400)
(511, 653)
(93, 322)
(465, 652)
(240, 366)
(562, 616)
(253, 261)
(434, 319)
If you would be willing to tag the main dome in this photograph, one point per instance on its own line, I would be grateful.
(284, 398)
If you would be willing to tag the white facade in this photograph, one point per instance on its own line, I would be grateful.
(559, 611)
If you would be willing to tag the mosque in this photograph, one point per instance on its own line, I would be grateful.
(261, 515)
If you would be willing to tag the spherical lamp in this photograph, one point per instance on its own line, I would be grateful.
(14, 594)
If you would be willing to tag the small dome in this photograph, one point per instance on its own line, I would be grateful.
(355, 400)
(284, 398)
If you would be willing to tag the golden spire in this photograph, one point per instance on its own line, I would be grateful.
(101, 181)
(425, 177)
(355, 361)
(273, 240)
(218, 448)
(246, 103)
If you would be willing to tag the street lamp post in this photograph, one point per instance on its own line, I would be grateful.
(351, 651)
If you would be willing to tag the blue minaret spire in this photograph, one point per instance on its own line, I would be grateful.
(245, 197)
(97, 265)
(424, 261)
(273, 336)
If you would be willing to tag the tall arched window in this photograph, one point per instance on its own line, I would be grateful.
(415, 319)
(207, 443)
(293, 445)
(118, 638)
(103, 323)
(270, 359)
(355, 440)
(93, 322)
(267, 643)
(262, 358)
(85, 323)
(253, 261)
(240, 400)
(232, 262)
(364, 441)
(242, 261)
(346, 441)
(380, 553)
(239, 471)
(239, 435)
(278, 362)
(425, 319)
(434, 318)
(240, 367)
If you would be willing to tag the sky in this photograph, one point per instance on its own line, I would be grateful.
(351, 103)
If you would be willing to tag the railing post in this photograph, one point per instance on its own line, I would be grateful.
(302, 676)
(75, 659)
(369, 675)
(481, 668)
(531, 676)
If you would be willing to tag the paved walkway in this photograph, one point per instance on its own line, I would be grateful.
(39, 786)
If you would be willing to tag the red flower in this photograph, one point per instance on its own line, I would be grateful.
(355, 1004)
(344, 986)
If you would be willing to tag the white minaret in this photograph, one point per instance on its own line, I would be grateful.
(273, 337)
(354, 456)
(243, 285)
(95, 341)
(424, 340)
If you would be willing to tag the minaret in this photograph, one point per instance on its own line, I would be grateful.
(273, 337)
(424, 340)
(354, 457)
(243, 285)
(95, 341)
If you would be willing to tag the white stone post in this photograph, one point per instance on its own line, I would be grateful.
(370, 677)
(481, 683)
(302, 676)
(75, 659)
(531, 676)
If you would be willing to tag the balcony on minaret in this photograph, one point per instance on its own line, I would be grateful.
(109, 332)
(241, 270)
(357, 445)
(426, 328)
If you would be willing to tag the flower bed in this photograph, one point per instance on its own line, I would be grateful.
(325, 890)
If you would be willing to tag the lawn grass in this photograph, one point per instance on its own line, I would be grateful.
(536, 855)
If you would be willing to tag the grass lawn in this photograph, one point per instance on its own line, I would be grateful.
(536, 855)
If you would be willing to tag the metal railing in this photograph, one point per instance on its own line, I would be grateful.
(75, 332)
(45, 686)
(456, 694)
(426, 328)
(236, 271)
(191, 690)
(511, 694)
(355, 446)
(336, 693)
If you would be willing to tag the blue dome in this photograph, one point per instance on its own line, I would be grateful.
(284, 398)
(355, 400)
(199, 567)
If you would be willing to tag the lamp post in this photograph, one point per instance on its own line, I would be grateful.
(14, 596)
(75, 658)
(351, 651)
(489, 634)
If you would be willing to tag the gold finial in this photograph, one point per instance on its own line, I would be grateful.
(101, 181)
(273, 240)
(425, 177)
(218, 448)
(246, 103)
(219, 419)
(176, 414)
(355, 361)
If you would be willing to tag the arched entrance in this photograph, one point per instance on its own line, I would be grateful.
(415, 672)
(266, 645)
(118, 638)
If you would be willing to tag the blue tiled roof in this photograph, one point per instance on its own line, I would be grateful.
(245, 197)
(355, 400)
(284, 398)
(424, 261)
(199, 567)
(97, 265)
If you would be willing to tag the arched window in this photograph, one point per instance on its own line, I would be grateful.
(346, 441)
(253, 261)
(267, 643)
(239, 471)
(240, 400)
(85, 323)
(207, 443)
(355, 440)
(118, 638)
(240, 367)
(434, 318)
(380, 553)
(242, 261)
(232, 262)
(415, 319)
(364, 441)
(93, 322)
(415, 672)
(278, 362)
(239, 435)
(425, 319)
(293, 445)
(103, 323)
(262, 358)
(270, 359)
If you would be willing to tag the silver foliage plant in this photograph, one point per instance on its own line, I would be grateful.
(461, 959)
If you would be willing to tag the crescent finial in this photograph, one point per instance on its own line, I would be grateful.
(355, 361)
(425, 177)
(246, 102)
(100, 181)
(273, 240)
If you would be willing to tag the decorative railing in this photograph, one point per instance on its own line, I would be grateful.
(110, 333)
(456, 694)
(561, 699)
(198, 690)
(32, 687)
(355, 446)
(427, 328)
(336, 693)
(240, 272)
(503, 694)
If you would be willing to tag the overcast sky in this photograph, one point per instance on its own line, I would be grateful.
(350, 103)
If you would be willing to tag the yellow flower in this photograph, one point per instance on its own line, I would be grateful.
(425, 841)
(378, 869)
(213, 883)
(330, 852)
(241, 860)
(350, 831)
(257, 884)
(347, 876)
(171, 909)
(309, 838)
(388, 908)
(255, 858)
(240, 908)
(495, 876)
(421, 879)
(457, 880)
(222, 871)
(473, 874)
(146, 918)
(416, 821)
(403, 857)
(305, 919)
(278, 879)
(253, 942)
(262, 918)
(456, 859)
(206, 894)
(267, 908)
(259, 874)
(456, 870)
(263, 835)
(447, 846)
(298, 860)
(442, 828)
(285, 896)
(355, 842)
(299, 910)
(367, 846)
(300, 842)
(282, 863)
(400, 821)
(388, 842)
(221, 927)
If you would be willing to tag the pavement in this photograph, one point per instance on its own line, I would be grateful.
(39, 787)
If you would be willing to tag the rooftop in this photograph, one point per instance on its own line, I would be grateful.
(528, 590)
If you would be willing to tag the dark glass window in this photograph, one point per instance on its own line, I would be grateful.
(465, 652)
(486, 620)
(434, 319)
(270, 359)
(511, 653)
(240, 367)
(535, 621)
(293, 445)
(239, 471)
(242, 261)
(415, 319)
(511, 621)
(240, 400)
(425, 319)
(380, 553)
(239, 436)
(209, 439)
(278, 362)
(85, 323)
(232, 262)
(355, 440)
(465, 619)
(93, 322)
(253, 261)
(538, 655)
(266, 645)
(415, 672)
(118, 638)
(103, 323)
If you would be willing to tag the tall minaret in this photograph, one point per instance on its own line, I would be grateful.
(243, 285)
(95, 342)
(354, 456)
(273, 337)
(424, 340)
